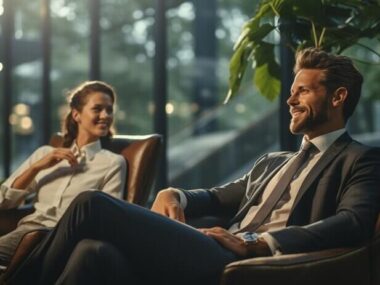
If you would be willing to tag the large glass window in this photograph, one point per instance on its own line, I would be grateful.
(209, 141)
(26, 100)
(365, 122)
(69, 52)
(1, 84)
(127, 52)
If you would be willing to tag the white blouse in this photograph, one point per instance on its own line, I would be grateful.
(97, 170)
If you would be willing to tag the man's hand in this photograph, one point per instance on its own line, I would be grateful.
(167, 203)
(227, 240)
(236, 244)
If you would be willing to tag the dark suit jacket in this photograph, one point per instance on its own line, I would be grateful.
(337, 205)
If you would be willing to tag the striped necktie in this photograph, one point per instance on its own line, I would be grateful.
(282, 185)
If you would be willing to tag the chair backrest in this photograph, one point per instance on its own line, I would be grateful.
(377, 227)
(141, 154)
(375, 255)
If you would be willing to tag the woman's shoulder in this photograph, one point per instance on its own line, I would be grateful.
(109, 155)
(42, 150)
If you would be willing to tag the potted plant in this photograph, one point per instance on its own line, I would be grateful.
(333, 25)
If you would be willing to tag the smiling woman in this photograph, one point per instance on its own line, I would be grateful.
(90, 117)
(58, 175)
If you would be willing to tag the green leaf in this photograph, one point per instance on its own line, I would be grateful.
(268, 85)
(267, 72)
(337, 24)
(238, 65)
(260, 33)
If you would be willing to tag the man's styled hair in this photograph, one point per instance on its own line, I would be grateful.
(339, 71)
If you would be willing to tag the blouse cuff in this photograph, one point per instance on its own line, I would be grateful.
(11, 194)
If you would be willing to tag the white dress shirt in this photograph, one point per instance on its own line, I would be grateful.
(97, 170)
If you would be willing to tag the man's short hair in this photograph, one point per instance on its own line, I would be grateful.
(339, 71)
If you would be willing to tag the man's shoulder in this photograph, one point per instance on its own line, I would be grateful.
(277, 155)
(273, 158)
(356, 147)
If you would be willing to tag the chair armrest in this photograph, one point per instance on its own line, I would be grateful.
(322, 267)
(10, 217)
(24, 248)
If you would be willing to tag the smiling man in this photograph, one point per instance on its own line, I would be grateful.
(324, 196)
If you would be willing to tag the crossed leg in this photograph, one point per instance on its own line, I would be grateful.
(158, 249)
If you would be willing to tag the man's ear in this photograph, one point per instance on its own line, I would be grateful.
(75, 115)
(339, 96)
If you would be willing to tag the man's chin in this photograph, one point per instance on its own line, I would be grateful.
(296, 129)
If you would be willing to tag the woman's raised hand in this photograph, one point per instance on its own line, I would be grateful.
(49, 160)
(54, 157)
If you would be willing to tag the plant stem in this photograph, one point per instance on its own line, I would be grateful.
(314, 35)
(321, 36)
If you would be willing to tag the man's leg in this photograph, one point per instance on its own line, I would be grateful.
(161, 249)
(96, 262)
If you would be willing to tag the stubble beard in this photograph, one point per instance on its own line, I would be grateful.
(309, 123)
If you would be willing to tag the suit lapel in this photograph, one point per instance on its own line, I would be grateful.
(243, 210)
(323, 162)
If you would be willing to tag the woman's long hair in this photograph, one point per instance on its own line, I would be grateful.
(78, 97)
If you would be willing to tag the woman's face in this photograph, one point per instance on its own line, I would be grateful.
(96, 117)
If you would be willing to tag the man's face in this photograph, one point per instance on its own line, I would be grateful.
(309, 104)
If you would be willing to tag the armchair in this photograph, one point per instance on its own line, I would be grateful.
(352, 266)
(140, 152)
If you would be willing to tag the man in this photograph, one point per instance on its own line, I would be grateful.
(325, 196)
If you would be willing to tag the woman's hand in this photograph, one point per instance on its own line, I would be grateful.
(49, 160)
(167, 203)
(54, 157)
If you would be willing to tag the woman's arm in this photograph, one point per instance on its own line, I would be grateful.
(49, 160)
(22, 181)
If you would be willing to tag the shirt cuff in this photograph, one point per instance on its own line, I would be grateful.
(272, 243)
(9, 195)
(182, 199)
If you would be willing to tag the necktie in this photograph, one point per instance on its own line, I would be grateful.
(281, 187)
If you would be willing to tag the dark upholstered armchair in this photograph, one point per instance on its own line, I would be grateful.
(353, 266)
(140, 152)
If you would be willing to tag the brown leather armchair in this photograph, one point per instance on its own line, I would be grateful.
(352, 266)
(140, 152)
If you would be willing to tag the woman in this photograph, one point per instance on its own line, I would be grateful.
(58, 175)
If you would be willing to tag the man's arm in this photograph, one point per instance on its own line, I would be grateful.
(355, 217)
(168, 203)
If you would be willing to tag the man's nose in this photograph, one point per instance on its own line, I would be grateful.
(292, 100)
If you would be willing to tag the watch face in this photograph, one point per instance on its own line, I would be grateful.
(250, 237)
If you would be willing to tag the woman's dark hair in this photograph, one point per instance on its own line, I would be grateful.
(339, 71)
(78, 97)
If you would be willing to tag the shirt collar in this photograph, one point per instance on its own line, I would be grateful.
(88, 150)
(323, 142)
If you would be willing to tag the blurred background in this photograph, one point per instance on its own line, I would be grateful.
(49, 46)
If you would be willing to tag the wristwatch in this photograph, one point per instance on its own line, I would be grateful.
(256, 245)
(250, 238)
